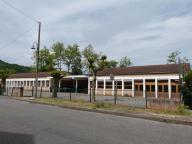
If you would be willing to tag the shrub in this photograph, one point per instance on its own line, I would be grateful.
(101, 105)
(183, 110)
(187, 90)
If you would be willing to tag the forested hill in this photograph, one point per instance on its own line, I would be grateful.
(17, 68)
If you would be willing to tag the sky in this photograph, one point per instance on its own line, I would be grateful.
(146, 31)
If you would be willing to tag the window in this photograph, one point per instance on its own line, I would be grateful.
(47, 83)
(27, 83)
(24, 83)
(100, 84)
(141, 87)
(173, 88)
(147, 87)
(43, 83)
(152, 88)
(108, 85)
(39, 83)
(127, 85)
(21, 83)
(31, 83)
(160, 88)
(165, 88)
(119, 84)
(136, 87)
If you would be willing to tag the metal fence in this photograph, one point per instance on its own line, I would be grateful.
(109, 96)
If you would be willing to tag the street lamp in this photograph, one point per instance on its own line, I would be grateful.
(36, 45)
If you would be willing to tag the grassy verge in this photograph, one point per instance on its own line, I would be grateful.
(181, 110)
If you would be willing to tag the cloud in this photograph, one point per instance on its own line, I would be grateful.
(153, 40)
(144, 30)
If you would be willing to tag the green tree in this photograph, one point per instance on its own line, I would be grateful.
(57, 75)
(72, 59)
(187, 90)
(76, 67)
(46, 60)
(173, 58)
(125, 62)
(112, 64)
(58, 50)
(4, 74)
(94, 62)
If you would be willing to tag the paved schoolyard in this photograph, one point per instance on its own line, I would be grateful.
(129, 101)
(135, 102)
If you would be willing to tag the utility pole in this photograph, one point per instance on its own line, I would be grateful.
(180, 78)
(37, 58)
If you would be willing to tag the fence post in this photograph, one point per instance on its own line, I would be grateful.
(90, 95)
(12, 92)
(7, 92)
(41, 92)
(32, 90)
(146, 99)
(115, 95)
(70, 95)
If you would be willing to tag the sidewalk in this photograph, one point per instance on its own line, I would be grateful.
(175, 119)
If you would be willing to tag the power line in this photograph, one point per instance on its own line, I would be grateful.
(15, 40)
(18, 10)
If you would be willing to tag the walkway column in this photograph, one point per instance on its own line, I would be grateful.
(96, 87)
(156, 88)
(59, 85)
(89, 86)
(123, 87)
(144, 89)
(104, 86)
(76, 85)
(133, 87)
(113, 87)
(169, 87)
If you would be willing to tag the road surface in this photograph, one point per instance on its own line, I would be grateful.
(26, 123)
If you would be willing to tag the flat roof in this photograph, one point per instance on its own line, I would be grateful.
(30, 75)
(44, 75)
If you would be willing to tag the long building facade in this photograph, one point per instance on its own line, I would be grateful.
(27, 81)
(75, 83)
(157, 81)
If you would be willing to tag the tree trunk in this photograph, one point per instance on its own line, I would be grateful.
(68, 68)
(55, 88)
(94, 85)
(3, 84)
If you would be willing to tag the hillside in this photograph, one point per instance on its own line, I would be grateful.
(16, 67)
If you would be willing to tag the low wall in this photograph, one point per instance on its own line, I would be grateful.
(16, 91)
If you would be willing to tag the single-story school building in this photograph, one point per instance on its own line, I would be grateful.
(27, 81)
(158, 81)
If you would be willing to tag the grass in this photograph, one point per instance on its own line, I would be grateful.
(181, 110)
(62, 102)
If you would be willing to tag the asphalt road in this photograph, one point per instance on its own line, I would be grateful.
(26, 123)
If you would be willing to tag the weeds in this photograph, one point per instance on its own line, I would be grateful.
(182, 110)
(102, 105)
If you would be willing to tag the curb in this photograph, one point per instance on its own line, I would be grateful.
(133, 115)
